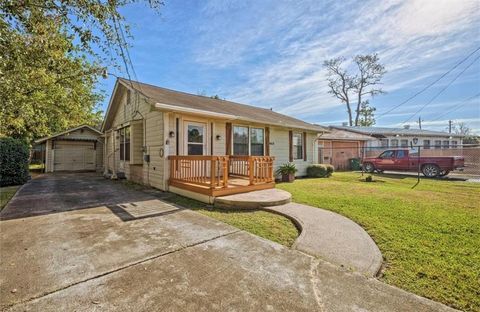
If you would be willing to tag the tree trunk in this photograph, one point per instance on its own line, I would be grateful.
(349, 110)
(357, 112)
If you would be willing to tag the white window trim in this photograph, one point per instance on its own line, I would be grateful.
(187, 123)
(293, 146)
(249, 127)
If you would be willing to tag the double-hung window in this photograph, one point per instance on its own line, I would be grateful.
(426, 144)
(195, 138)
(248, 141)
(125, 144)
(446, 144)
(403, 143)
(257, 141)
(394, 143)
(297, 145)
(454, 144)
(438, 144)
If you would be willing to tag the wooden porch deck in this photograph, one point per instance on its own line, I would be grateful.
(221, 175)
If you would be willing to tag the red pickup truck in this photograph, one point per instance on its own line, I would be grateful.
(403, 160)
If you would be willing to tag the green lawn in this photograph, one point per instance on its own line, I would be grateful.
(264, 224)
(428, 235)
(6, 193)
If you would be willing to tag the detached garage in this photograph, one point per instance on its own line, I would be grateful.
(77, 149)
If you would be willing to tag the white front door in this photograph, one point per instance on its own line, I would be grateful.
(195, 138)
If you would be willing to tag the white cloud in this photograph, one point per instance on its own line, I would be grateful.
(277, 48)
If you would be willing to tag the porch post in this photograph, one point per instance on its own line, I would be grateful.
(251, 169)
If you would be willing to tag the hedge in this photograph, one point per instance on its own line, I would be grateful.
(14, 156)
(320, 171)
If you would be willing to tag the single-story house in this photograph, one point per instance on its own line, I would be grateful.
(338, 146)
(76, 149)
(385, 138)
(198, 146)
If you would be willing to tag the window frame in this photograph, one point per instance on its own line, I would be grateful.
(396, 141)
(402, 141)
(294, 149)
(454, 144)
(204, 136)
(124, 143)
(445, 146)
(426, 146)
(249, 143)
(437, 145)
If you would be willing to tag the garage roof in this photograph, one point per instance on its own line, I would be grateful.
(66, 132)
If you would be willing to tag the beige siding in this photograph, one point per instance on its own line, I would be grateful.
(155, 147)
(99, 155)
(136, 144)
(48, 156)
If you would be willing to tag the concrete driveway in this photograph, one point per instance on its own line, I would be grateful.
(78, 242)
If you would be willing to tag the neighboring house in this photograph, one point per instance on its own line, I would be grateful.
(77, 149)
(339, 146)
(404, 137)
(198, 146)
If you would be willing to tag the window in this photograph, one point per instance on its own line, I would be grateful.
(240, 140)
(401, 154)
(248, 141)
(195, 138)
(297, 146)
(394, 143)
(384, 143)
(256, 141)
(125, 144)
(446, 144)
(426, 144)
(387, 154)
(438, 144)
(404, 143)
(454, 144)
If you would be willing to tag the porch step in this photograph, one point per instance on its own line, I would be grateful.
(253, 200)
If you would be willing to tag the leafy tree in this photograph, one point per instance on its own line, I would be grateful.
(367, 115)
(52, 53)
(351, 88)
(44, 86)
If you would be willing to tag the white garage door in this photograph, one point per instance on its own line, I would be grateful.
(73, 156)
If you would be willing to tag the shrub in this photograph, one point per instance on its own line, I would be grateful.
(320, 170)
(287, 168)
(14, 156)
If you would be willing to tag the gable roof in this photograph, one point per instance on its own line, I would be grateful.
(168, 99)
(67, 131)
(343, 135)
(382, 131)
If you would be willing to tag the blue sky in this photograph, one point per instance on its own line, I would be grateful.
(270, 54)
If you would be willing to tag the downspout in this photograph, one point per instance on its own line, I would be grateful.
(313, 146)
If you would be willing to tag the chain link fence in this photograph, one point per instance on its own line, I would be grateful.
(348, 156)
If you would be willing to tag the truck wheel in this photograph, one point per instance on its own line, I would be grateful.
(368, 167)
(430, 170)
(444, 173)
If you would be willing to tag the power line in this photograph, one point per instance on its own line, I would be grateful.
(459, 105)
(443, 89)
(429, 85)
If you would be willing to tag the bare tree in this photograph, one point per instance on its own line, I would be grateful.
(352, 88)
(462, 128)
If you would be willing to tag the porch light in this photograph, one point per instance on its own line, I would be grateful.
(218, 137)
(415, 140)
(171, 134)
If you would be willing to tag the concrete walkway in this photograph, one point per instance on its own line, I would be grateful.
(78, 242)
(254, 200)
(333, 238)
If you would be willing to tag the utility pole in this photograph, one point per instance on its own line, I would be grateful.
(449, 126)
(420, 122)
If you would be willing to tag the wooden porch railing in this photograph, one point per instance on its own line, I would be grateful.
(214, 171)
(209, 171)
(258, 169)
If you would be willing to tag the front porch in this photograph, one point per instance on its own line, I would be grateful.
(221, 175)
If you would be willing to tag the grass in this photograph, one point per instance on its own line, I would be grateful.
(35, 166)
(429, 235)
(6, 193)
(261, 223)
